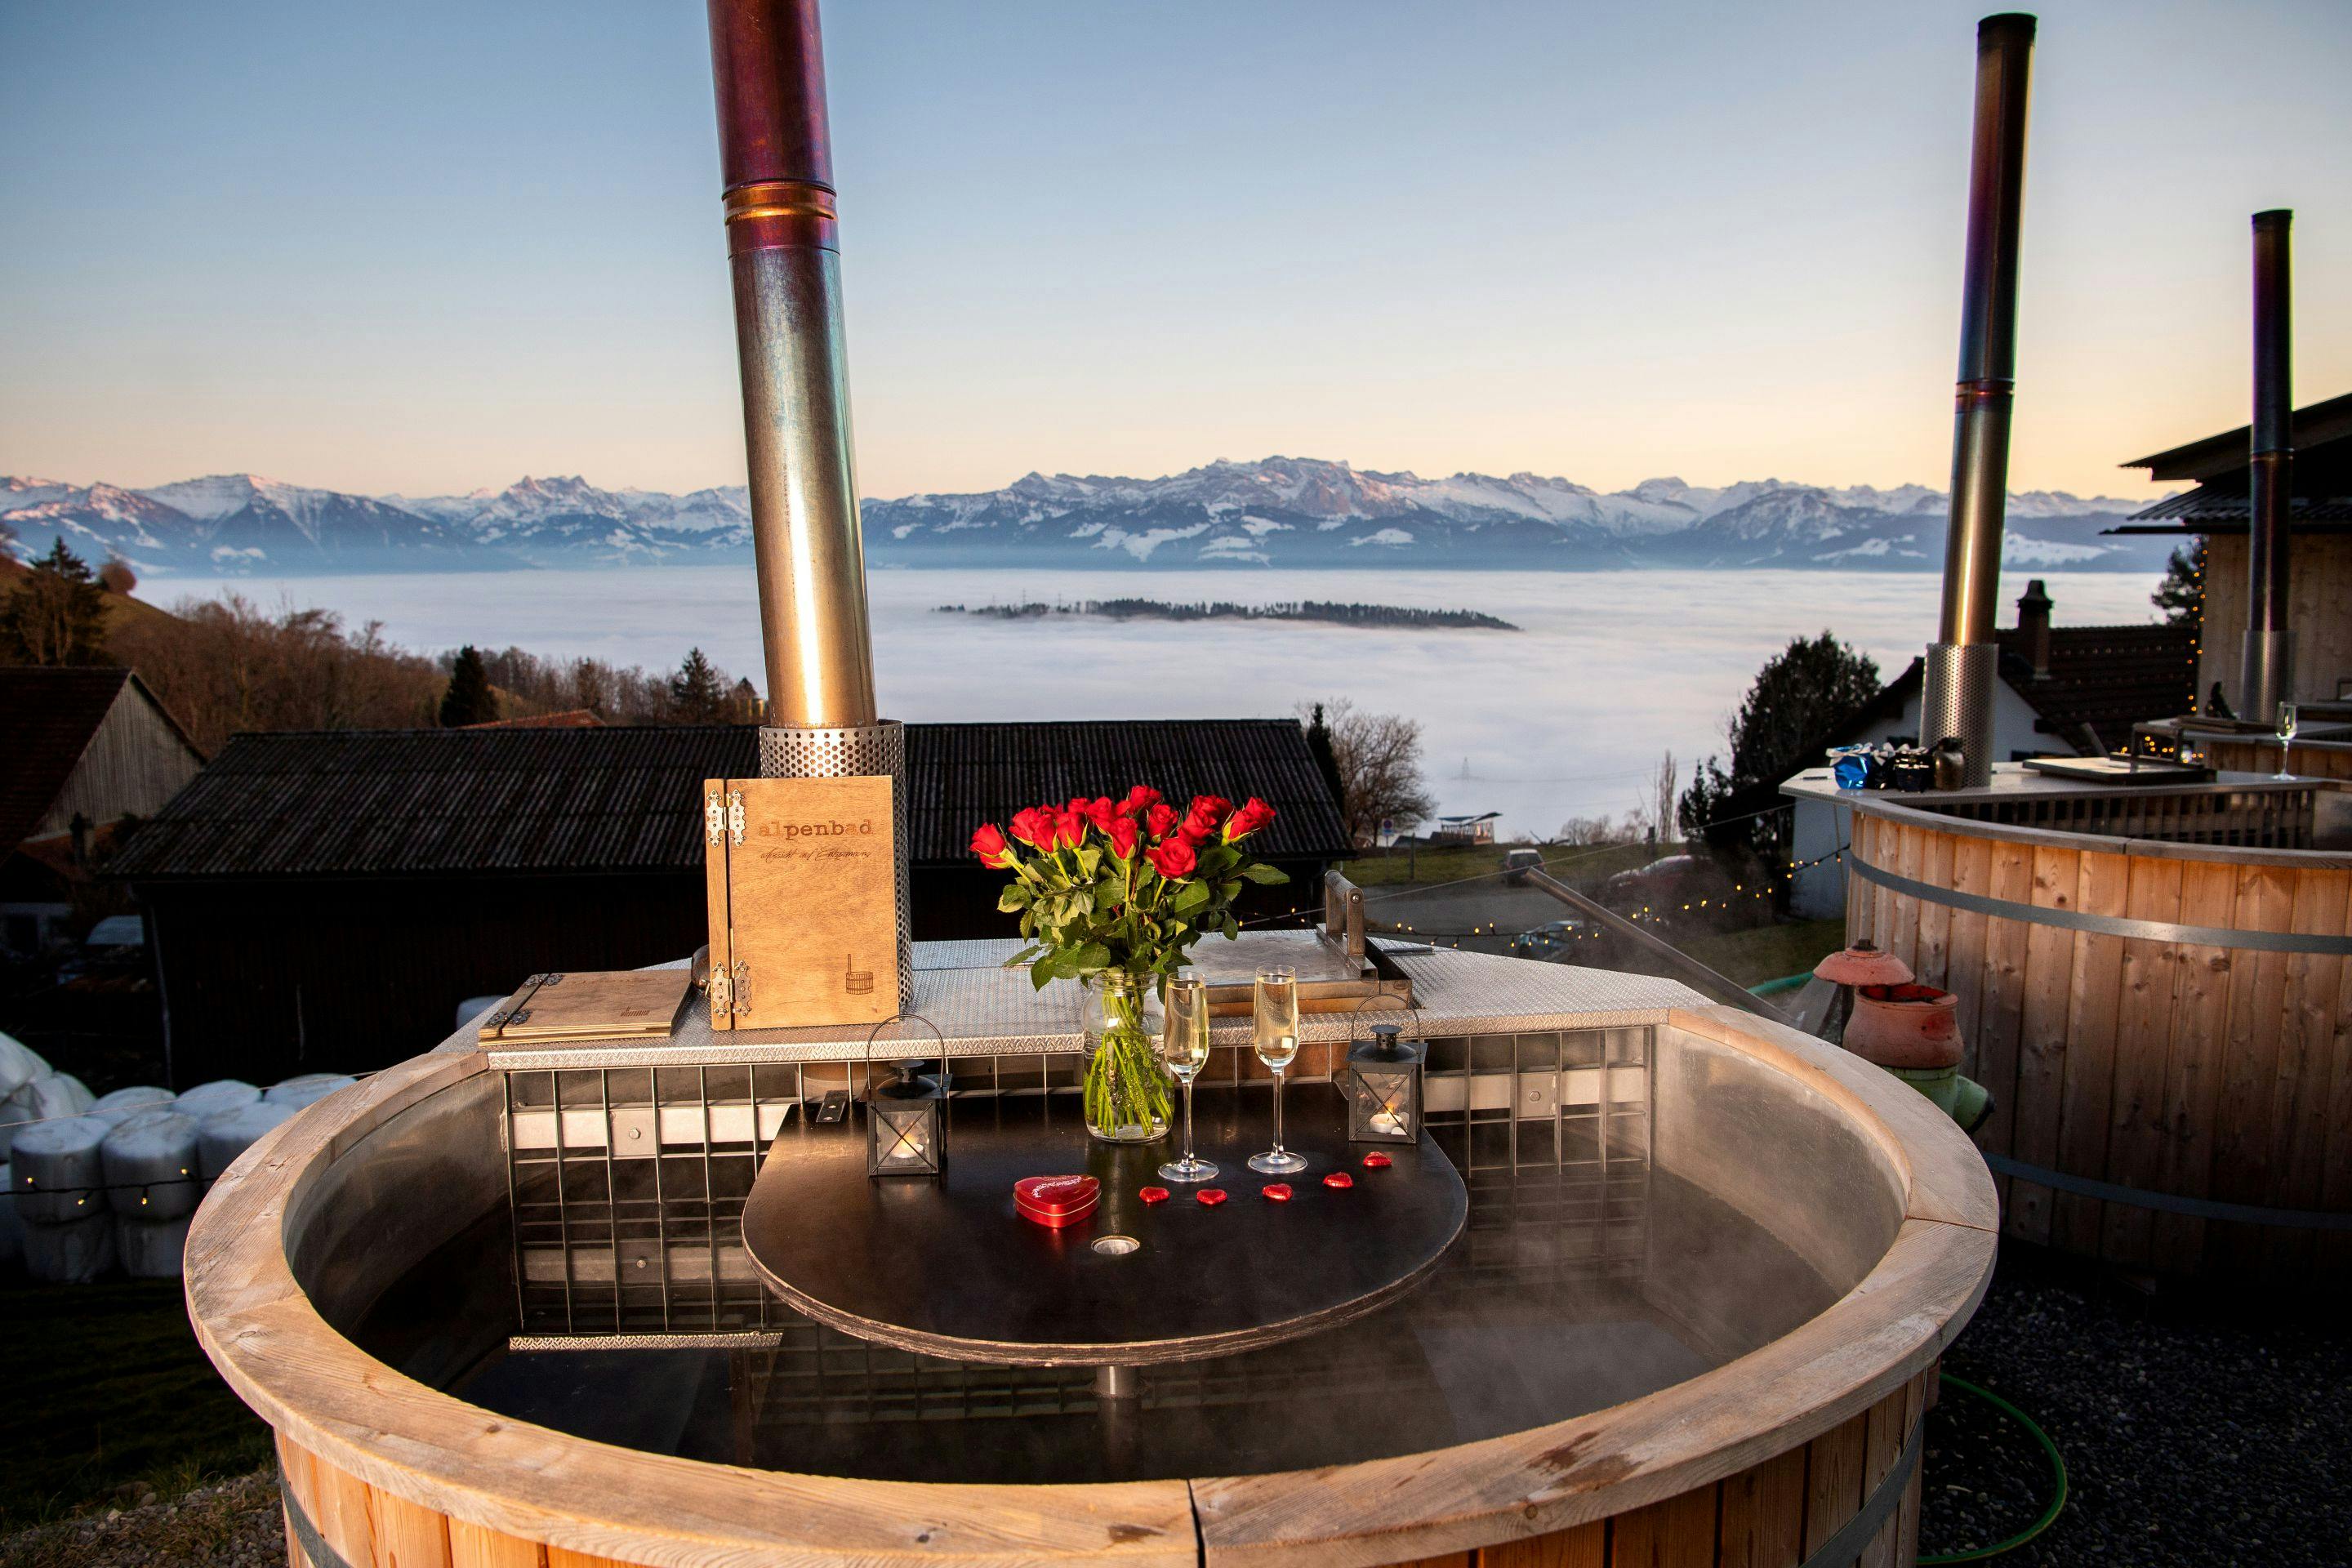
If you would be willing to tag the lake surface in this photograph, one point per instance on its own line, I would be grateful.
(1564, 717)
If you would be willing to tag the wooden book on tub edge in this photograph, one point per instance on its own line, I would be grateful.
(802, 883)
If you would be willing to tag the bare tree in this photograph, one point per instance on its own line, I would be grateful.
(1379, 758)
(1580, 831)
(1658, 801)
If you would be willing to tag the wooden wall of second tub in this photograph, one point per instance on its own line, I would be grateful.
(2206, 1071)
(1773, 1515)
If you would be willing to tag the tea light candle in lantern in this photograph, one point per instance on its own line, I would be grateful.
(906, 1129)
(905, 1119)
(1383, 1088)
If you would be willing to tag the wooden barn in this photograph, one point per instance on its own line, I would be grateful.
(85, 748)
(323, 902)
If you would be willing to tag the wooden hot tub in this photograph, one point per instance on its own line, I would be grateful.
(2153, 985)
(1577, 1102)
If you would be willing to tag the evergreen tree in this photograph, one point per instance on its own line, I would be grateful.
(697, 692)
(2181, 594)
(470, 699)
(55, 615)
(1326, 761)
(1799, 698)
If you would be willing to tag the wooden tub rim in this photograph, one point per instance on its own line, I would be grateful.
(1874, 804)
(323, 1395)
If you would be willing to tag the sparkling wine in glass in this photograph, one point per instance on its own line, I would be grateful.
(1275, 1015)
(1187, 1014)
(2286, 739)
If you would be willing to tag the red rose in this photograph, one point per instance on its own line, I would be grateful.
(1248, 819)
(988, 843)
(1072, 830)
(1159, 819)
(1172, 859)
(1098, 811)
(1141, 798)
(1205, 816)
(1036, 825)
(1123, 833)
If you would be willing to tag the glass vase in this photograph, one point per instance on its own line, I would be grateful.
(1129, 1097)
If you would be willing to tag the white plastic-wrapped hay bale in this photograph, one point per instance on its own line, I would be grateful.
(307, 1089)
(49, 1098)
(125, 1103)
(19, 1065)
(58, 1171)
(73, 1253)
(12, 1228)
(151, 1166)
(223, 1137)
(212, 1098)
(150, 1249)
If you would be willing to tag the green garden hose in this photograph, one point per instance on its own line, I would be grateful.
(2057, 1469)
(1774, 987)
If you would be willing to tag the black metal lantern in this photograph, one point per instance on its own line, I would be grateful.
(1383, 1087)
(906, 1119)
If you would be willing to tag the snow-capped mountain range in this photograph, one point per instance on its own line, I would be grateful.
(1283, 511)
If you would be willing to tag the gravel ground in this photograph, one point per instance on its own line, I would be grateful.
(232, 1524)
(2197, 1428)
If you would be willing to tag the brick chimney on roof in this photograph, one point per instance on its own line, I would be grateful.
(2033, 627)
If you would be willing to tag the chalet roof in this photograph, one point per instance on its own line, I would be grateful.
(396, 803)
(2108, 677)
(47, 719)
(2313, 425)
(2321, 478)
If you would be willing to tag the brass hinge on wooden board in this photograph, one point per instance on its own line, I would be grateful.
(801, 884)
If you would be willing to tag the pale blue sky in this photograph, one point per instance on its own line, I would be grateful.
(433, 246)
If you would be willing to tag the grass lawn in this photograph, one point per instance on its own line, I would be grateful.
(1766, 952)
(106, 1387)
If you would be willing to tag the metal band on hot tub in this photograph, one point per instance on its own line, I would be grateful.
(2102, 925)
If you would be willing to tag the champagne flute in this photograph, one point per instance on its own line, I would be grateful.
(1187, 1048)
(2286, 739)
(1274, 1013)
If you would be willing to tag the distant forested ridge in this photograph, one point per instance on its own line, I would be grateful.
(1322, 611)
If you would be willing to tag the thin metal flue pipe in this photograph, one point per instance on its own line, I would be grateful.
(2266, 664)
(767, 65)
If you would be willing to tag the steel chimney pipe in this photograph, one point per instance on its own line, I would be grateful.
(776, 153)
(2266, 667)
(1957, 696)
(775, 150)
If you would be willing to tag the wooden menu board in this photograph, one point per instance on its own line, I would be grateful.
(624, 1004)
(803, 901)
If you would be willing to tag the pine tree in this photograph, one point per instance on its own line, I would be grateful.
(1326, 762)
(1798, 696)
(2181, 594)
(55, 615)
(470, 699)
(697, 692)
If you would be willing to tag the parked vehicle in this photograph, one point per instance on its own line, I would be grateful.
(1657, 885)
(1553, 939)
(1517, 863)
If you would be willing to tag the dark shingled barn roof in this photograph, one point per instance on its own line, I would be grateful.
(392, 803)
(47, 719)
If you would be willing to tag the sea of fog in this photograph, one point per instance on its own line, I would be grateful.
(1562, 717)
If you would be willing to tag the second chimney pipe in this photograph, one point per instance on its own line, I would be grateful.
(1956, 699)
(2266, 668)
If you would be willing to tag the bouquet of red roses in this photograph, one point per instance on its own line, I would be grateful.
(1112, 894)
(1127, 885)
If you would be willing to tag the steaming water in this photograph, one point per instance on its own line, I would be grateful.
(1563, 718)
(1552, 1307)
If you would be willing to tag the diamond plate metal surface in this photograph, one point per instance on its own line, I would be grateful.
(995, 1012)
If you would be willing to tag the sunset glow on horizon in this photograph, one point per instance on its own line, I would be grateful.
(1711, 240)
